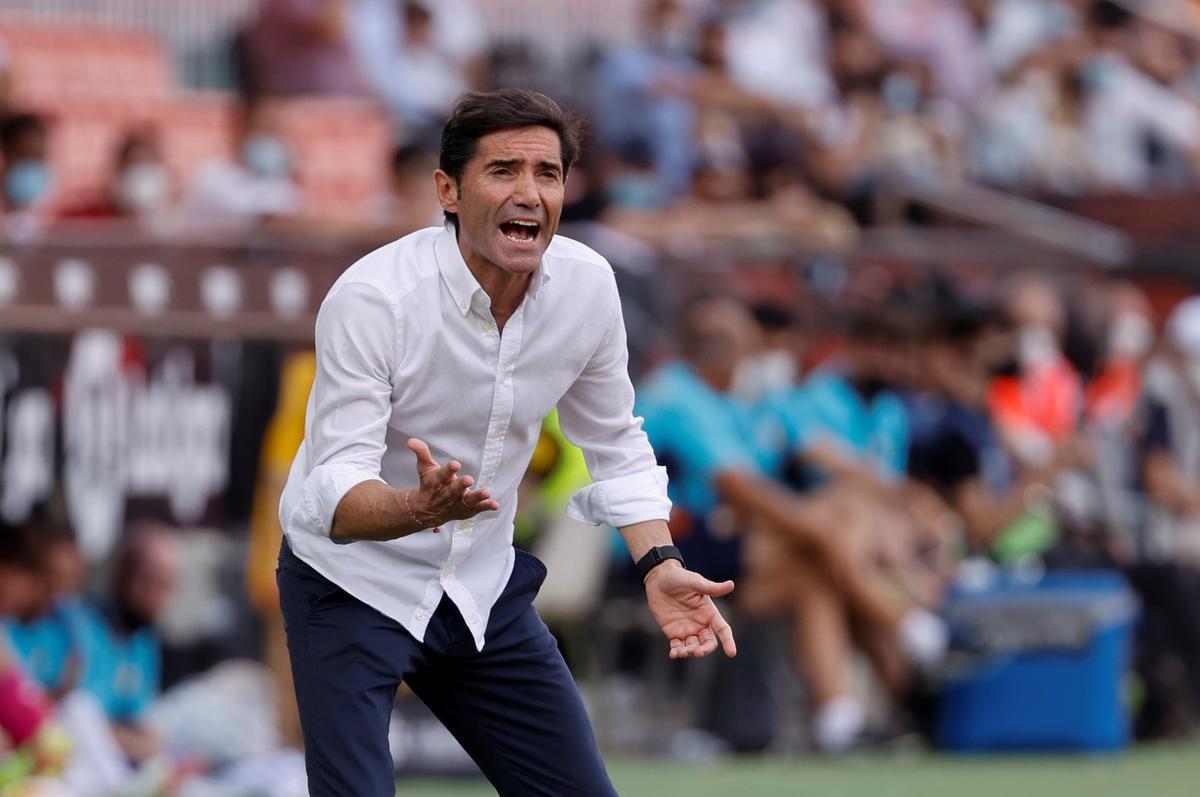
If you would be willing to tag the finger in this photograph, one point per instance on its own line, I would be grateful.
(706, 587)
(725, 634)
(480, 502)
(472, 499)
(692, 644)
(708, 642)
(446, 473)
(425, 460)
(677, 650)
(457, 489)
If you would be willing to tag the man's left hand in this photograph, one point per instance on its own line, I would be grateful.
(681, 602)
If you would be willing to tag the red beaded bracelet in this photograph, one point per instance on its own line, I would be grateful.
(408, 506)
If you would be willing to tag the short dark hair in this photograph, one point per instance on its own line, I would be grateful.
(479, 113)
(18, 548)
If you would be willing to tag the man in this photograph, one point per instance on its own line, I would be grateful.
(26, 178)
(438, 356)
(800, 551)
(122, 647)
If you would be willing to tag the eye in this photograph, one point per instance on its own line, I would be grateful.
(501, 171)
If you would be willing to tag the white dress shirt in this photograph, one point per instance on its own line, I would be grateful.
(407, 347)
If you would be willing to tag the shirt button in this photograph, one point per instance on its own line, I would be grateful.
(465, 306)
(504, 380)
(421, 616)
(448, 572)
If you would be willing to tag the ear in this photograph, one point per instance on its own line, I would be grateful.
(447, 191)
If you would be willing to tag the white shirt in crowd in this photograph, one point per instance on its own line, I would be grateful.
(419, 84)
(407, 347)
(779, 50)
(228, 198)
(1124, 108)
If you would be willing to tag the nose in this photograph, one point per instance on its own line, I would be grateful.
(525, 192)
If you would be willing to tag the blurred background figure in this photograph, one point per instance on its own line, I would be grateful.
(140, 187)
(28, 178)
(418, 56)
(301, 47)
(252, 191)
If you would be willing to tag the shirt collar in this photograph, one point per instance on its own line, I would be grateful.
(458, 277)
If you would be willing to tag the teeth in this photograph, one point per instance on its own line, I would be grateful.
(524, 223)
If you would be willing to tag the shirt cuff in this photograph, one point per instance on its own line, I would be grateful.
(324, 489)
(624, 500)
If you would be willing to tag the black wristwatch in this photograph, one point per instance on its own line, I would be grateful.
(655, 557)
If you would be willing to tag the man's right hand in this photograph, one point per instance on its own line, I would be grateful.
(444, 495)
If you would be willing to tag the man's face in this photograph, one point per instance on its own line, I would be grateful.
(509, 199)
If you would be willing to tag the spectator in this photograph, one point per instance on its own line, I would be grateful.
(1003, 501)
(123, 647)
(255, 190)
(940, 33)
(419, 56)
(27, 178)
(1014, 29)
(643, 100)
(48, 641)
(1126, 108)
(139, 187)
(1171, 440)
(802, 554)
(295, 47)
(1039, 407)
(778, 49)
(30, 741)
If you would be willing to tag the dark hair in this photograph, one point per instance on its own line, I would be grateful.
(15, 126)
(772, 316)
(406, 156)
(18, 549)
(479, 113)
(1109, 15)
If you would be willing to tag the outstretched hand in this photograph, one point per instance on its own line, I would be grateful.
(444, 495)
(682, 604)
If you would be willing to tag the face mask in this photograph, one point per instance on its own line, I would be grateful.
(26, 182)
(763, 374)
(901, 94)
(635, 191)
(1131, 335)
(673, 40)
(266, 156)
(1036, 347)
(142, 187)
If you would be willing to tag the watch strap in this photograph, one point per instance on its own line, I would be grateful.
(655, 557)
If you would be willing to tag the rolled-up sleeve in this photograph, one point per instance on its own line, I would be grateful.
(357, 338)
(596, 414)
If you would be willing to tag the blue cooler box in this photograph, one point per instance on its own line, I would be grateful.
(1041, 666)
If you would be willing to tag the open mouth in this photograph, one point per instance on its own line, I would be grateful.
(521, 232)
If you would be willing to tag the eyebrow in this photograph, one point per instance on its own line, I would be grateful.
(516, 161)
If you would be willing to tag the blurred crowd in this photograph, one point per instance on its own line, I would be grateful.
(718, 111)
(847, 469)
(845, 457)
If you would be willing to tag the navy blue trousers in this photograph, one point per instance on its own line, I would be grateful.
(513, 706)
